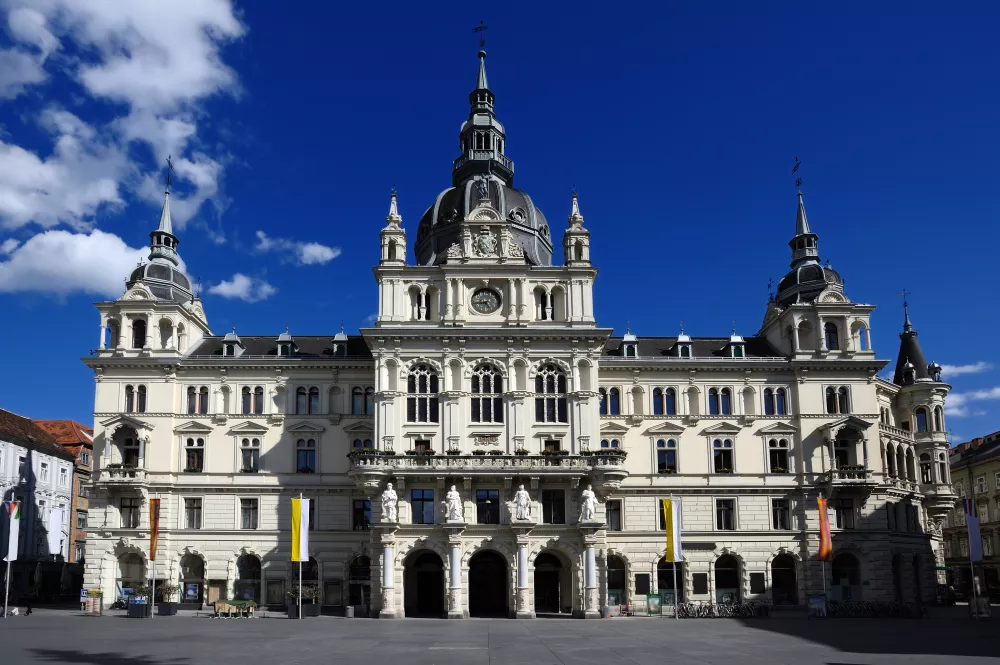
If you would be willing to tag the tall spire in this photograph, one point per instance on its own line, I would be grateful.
(162, 241)
(801, 222)
(393, 218)
(805, 249)
(481, 83)
(907, 326)
(910, 363)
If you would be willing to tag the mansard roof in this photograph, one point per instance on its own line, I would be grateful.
(701, 347)
(317, 346)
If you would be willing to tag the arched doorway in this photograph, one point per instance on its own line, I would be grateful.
(423, 585)
(247, 586)
(617, 581)
(359, 590)
(489, 585)
(784, 587)
(727, 579)
(669, 576)
(192, 580)
(846, 578)
(552, 585)
(131, 572)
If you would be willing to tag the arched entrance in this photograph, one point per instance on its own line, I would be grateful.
(359, 590)
(846, 578)
(192, 580)
(488, 585)
(552, 585)
(727, 579)
(247, 586)
(131, 572)
(670, 576)
(423, 585)
(784, 587)
(617, 580)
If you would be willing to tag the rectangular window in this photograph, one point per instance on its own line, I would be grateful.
(44, 472)
(361, 514)
(422, 506)
(725, 514)
(249, 513)
(997, 480)
(80, 550)
(844, 509)
(554, 506)
(130, 512)
(422, 445)
(20, 468)
(613, 515)
(700, 583)
(642, 584)
(83, 491)
(81, 519)
(63, 477)
(551, 446)
(192, 513)
(250, 459)
(313, 512)
(757, 583)
(980, 483)
(780, 515)
(487, 506)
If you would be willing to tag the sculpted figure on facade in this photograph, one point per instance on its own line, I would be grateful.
(453, 505)
(522, 504)
(389, 504)
(588, 504)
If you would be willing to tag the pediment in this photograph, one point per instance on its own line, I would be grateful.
(723, 428)
(665, 428)
(305, 427)
(849, 421)
(359, 427)
(778, 428)
(193, 426)
(122, 420)
(248, 428)
(613, 428)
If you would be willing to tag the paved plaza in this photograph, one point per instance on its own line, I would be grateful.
(66, 638)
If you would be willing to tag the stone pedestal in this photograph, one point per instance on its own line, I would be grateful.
(591, 607)
(524, 608)
(454, 529)
(388, 610)
(388, 540)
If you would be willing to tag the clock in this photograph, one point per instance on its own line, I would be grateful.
(485, 301)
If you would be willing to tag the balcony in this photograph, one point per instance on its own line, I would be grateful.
(850, 479)
(122, 476)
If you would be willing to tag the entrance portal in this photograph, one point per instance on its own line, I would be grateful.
(548, 584)
(423, 585)
(488, 585)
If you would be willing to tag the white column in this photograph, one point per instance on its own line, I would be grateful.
(524, 607)
(822, 335)
(104, 329)
(388, 581)
(590, 608)
(868, 338)
(455, 577)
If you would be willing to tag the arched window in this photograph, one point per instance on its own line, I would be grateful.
(670, 576)
(926, 476)
(722, 455)
(357, 400)
(313, 400)
(129, 399)
(246, 401)
(192, 400)
(831, 400)
(250, 455)
(727, 401)
(768, 402)
(140, 399)
(247, 584)
(863, 338)
(300, 400)
(258, 399)
(604, 401)
(685, 351)
(781, 402)
(890, 460)
(921, 416)
(832, 336)
(203, 400)
(943, 476)
(487, 388)
(784, 588)
(670, 397)
(370, 401)
(305, 456)
(422, 387)
(550, 395)
(666, 456)
(938, 419)
(727, 579)
(777, 450)
(843, 400)
(713, 401)
(614, 402)
(194, 456)
(657, 401)
(138, 334)
(613, 443)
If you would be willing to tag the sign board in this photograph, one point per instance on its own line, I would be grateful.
(653, 604)
(83, 595)
(817, 605)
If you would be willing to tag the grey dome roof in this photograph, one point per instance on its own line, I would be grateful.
(165, 282)
(804, 283)
(439, 229)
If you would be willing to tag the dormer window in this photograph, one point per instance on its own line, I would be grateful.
(736, 350)
(684, 351)
(285, 349)
(630, 350)
(229, 349)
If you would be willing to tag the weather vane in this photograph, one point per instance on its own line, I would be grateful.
(393, 192)
(482, 37)
(798, 181)
(770, 289)
(170, 170)
(904, 294)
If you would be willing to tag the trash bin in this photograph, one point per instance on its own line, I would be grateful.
(349, 611)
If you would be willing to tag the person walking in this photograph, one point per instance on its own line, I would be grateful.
(27, 605)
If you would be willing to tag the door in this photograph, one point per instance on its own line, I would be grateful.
(488, 585)
(216, 591)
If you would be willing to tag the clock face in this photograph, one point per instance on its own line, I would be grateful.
(486, 301)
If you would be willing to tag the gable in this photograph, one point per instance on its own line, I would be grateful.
(364, 427)
(193, 427)
(722, 428)
(305, 427)
(613, 428)
(665, 428)
(778, 428)
(248, 428)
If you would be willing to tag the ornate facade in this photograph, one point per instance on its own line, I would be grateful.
(486, 449)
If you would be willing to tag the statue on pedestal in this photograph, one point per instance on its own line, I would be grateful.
(588, 504)
(453, 504)
(389, 503)
(522, 504)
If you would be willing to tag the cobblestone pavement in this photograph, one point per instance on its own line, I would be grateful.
(64, 637)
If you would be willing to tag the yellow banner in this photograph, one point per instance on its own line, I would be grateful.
(300, 529)
(672, 527)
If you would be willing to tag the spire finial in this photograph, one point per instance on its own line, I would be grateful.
(770, 289)
(628, 327)
(907, 326)
(170, 171)
(480, 30)
(795, 169)
(393, 208)
(481, 82)
(734, 326)
(682, 326)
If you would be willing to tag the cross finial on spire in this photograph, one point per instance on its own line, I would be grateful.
(770, 289)
(734, 326)
(197, 293)
(795, 169)
(480, 30)
(170, 171)
(682, 326)
(907, 326)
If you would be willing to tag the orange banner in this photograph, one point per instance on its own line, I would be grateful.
(154, 527)
(825, 543)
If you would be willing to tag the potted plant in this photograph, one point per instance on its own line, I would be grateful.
(454, 451)
(478, 451)
(521, 451)
(428, 453)
(166, 593)
(306, 469)
(496, 452)
(411, 452)
(586, 453)
(310, 594)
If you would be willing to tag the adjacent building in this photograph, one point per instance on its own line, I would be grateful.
(486, 378)
(975, 471)
(79, 440)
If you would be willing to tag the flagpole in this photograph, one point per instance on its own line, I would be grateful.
(152, 594)
(6, 590)
(10, 528)
(300, 557)
(673, 526)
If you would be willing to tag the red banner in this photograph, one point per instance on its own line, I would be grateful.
(154, 527)
(825, 543)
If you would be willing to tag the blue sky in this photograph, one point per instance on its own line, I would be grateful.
(678, 123)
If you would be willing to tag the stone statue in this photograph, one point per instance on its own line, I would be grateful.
(389, 503)
(453, 503)
(588, 504)
(522, 504)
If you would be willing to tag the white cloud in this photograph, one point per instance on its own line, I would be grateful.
(156, 62)
(957, 404)
(948, 371)
(303, 253)
(242, 287)
(61, 262)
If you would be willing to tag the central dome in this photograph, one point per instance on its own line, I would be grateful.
(439, 228)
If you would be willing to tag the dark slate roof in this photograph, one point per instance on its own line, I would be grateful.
(24, 432)
(986, 451)
(701, 347)
(306, 347)
(910, 351)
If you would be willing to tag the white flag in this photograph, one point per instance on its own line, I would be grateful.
(13, 513)
(55, 531)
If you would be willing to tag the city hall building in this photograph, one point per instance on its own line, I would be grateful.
(487, 448)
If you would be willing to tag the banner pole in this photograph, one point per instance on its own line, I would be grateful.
(300, 556)
(975, 595)
(152, 594)
(6, 590)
